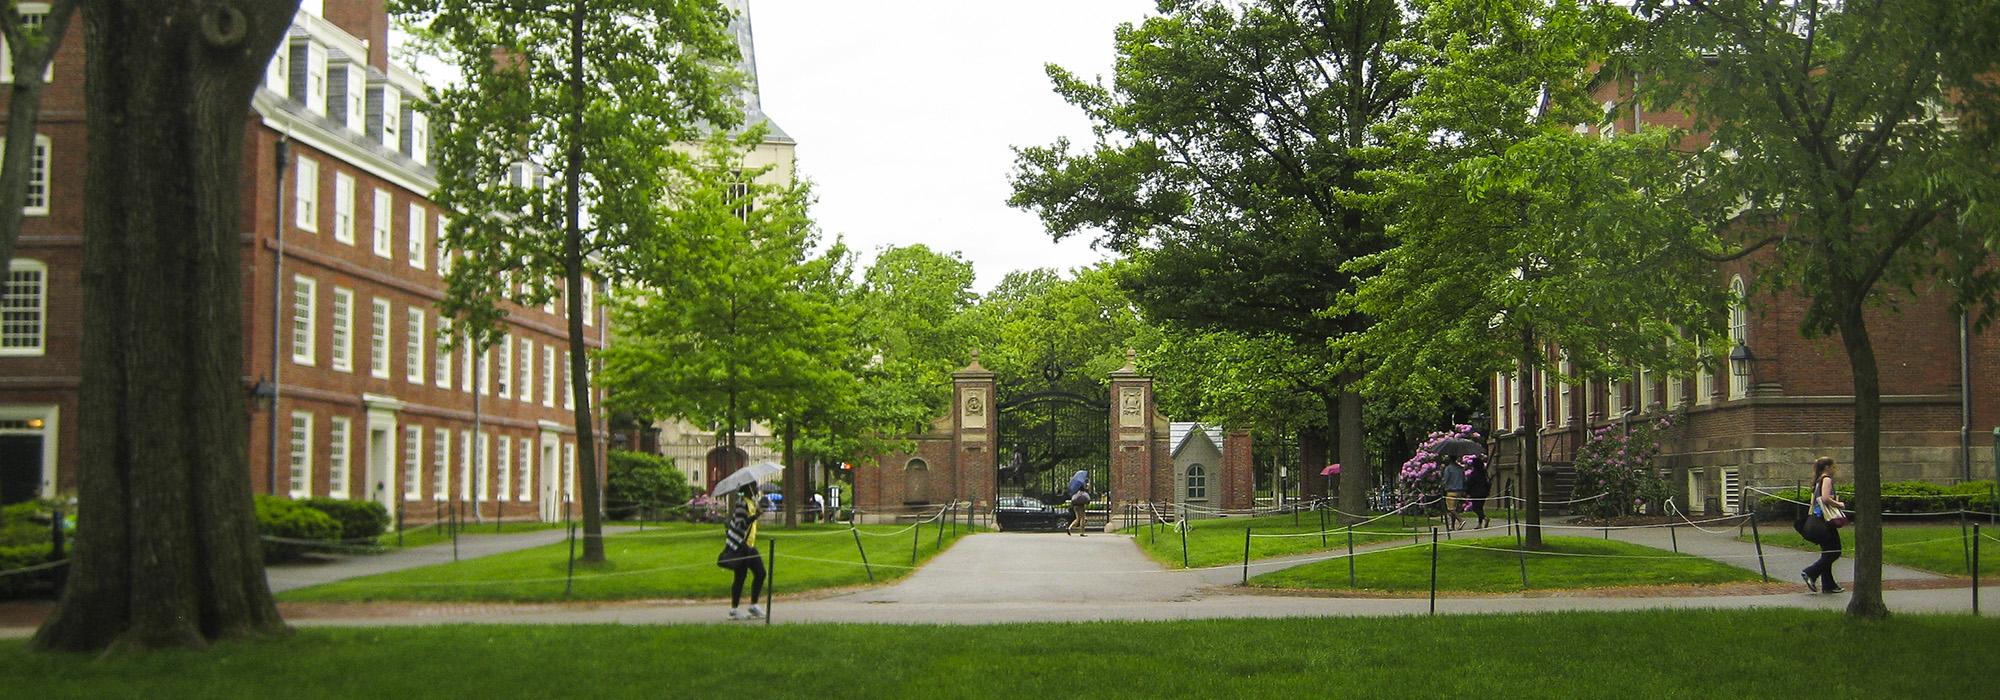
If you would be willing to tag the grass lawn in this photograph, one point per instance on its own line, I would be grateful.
(1938, 548)
(1216, 541)
(670, 561)
(1493, 570)
(1651, 654)
(431, 534)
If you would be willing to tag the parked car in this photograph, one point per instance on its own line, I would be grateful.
(705, 509)
(1024, 513)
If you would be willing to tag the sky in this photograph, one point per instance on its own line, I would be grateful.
(906, 111)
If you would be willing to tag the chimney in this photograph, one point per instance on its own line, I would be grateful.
(367, 20)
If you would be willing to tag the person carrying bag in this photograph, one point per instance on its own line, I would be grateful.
(1822, 528)
(740, 555)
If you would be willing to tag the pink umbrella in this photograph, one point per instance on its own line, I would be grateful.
(1330, 470)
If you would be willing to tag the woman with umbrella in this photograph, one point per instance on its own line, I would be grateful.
(739, 549)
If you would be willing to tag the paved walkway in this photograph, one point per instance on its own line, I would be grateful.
(289, 576)
(1720, 544)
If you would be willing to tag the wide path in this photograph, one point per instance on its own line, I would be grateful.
(285, 577)
(1720, 544)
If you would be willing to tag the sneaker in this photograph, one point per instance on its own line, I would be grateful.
(1811, 583)
(1835, 588)
(756, 611)
(737, 614)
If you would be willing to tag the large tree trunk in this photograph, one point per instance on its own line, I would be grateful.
(579, 355)
(1355, 473)
(167, 551)
(1531, 449)
(24, 111)
(1867, 505)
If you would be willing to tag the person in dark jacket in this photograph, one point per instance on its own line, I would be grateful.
(1819, 576)
(1078, 503)
(1478, 485)
(739, 553)
(1453, 473)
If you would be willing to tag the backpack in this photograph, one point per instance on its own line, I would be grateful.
(1081, 499)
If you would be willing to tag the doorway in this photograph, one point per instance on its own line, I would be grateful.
(20, 467)
(381, 449)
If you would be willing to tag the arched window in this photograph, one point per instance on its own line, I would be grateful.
(916, 465)
(1739, 334)
(1197, 483)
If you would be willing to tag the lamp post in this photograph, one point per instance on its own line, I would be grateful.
(1740, 358)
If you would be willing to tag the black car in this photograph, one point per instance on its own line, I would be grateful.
(1024, 513)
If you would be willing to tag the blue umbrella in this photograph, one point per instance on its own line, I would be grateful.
(1078, 480)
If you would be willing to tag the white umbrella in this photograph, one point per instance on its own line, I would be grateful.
(754, 474)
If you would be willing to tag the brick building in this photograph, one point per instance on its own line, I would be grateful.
(356, 397)
(1781, 401)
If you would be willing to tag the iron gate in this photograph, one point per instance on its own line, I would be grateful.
(1047, 436)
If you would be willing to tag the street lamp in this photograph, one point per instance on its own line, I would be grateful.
(1478, 423)
(1740, 359)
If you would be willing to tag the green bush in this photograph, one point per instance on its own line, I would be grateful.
(25, 523)
(1897, 497)
(21, 557)
(292, 520)
(360, 521)
(643, 484)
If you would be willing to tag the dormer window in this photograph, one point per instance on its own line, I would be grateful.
(277, 76)
(420, 137)
(357, 98)
(392, 117)
(315, 96)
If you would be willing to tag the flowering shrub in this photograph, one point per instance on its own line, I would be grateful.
(1422, 476)
(1619, 464)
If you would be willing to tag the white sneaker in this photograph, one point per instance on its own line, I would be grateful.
(756, 611)
(737, 614)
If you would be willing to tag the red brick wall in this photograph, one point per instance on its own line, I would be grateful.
(1238, 478)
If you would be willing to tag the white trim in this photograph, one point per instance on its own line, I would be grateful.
(343, 208)
(305, 327)
(441, 463)
(343, 329)
(316, 70)
(299, 479)
(383, 224)
(50, 415)
(40, 163)
(526, 490)
(414, 346)
(504, 373)
(503, 467)
(442, 372)
(306, 203)
(526, 392)
(412, 468)
(1739, 333)
(419, 249)
(381, 339)
(41, 306)
(310, 132)
(24, 11)
(339, 449)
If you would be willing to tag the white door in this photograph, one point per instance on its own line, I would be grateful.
(381, 450)
(551, 490)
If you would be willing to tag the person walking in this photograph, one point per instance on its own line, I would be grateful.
(1478, 485)
(1454, 491)
(1823, 528)
(739, 553)
(1078, 503)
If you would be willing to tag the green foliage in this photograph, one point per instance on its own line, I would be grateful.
(1219, 541)
(26, 522)
(25, 540)
(1897, 497)
(1619, 464)
(1491, 564)
(1943, 549)
(359, 521)
(643, 484)
(21, 557)
(293, 520)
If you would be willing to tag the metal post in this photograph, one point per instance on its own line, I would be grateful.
(864, 552)
(1350, 557)
(1975, 569)
(1607, 532)
(1521, 553)
(569, 579)
(1322, 528)
(915, 531)
(771, 581)
(1758, 536)
(1182, 526)
(1673, 531)
(56, 535)
(940, 536)
(1964, 543)
(1246, 555)
(1434, 570)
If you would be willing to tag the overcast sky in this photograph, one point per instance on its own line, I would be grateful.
(905, 111)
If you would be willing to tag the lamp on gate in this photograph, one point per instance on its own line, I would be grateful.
(1740, 359)
(264, 392)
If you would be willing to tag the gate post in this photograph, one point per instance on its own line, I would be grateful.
(1134, 476)
(975, 458)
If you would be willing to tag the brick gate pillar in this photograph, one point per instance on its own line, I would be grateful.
(1238, 480)
(974, 420)
(1133, 476)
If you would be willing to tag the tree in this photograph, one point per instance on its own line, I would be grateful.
(30, 48)
(1856, 140)
(1515, 232)
(911, 303)
(1233, 144)
(731, 318)
(167, 553)
(594, 95)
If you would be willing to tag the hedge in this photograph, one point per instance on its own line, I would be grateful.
(360, 521)
(21, 557)
(293, 520)
(1897, 497)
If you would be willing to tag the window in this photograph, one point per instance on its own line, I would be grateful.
(485, 372)
(548, 375)
(1648, 395)
(418, 250)
(357, 98)
(1499, 402)
(465, 371)
(383, 205)
(343, 208)
(37, 201)
(413, 466)
(1514, 400)
(569, 472)
(336, 458)
(1590, 401)
(420, 138)
(444, 258)
(503, 468)
(1674, 392)
(277, 76)
(308, 191)
(378, 340)
(442, 371)
(1739, 334)
(1562, 398)
(414, 347)
(343, 329)
(506, 370)
(527, 471)
(315, 96)
(1542, 397)
(1704, 381)
(587, 306)
(392, 115)
(440, 463)
(469, 460)
(527, 370)
(1732, 491)
(1697, 491)
(301, 474)
(569, 384)
(916, 465)
(305, 296)
(1197, 483)
(32, 15)
(1614, 400)
(24, 308)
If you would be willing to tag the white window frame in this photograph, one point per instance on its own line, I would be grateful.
(343, 208)
(548, 375)
(357, 98)
(340, 432)
(414, 371)
(413, 462)
(316, 78)
(1614, 400)
(392, 118)
(503, 468)
(442, 372)
(441, 467)
(306, 204)
(1500, 402)
(36, 202)
(343, 329)
(419, 249)
(1563, 403)
(443, 254)
(1197, 483)
(1648, 395)
(468, 464)
(527, 482)
(1675, 393)
(420, 137)
(527, 385)
(1732, 490)
(1704, 380)
(1542, 397)
(1697, 490)
(589, 305)
(379, 340)
(569, 384)
(25, 312)
(505, 372)
(305, 321)
(569, 472)
(1739, 334)
(300, 477)
(1514, 400)
(277, 75)
(385, 243)
(465, 371)
(485, 372)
